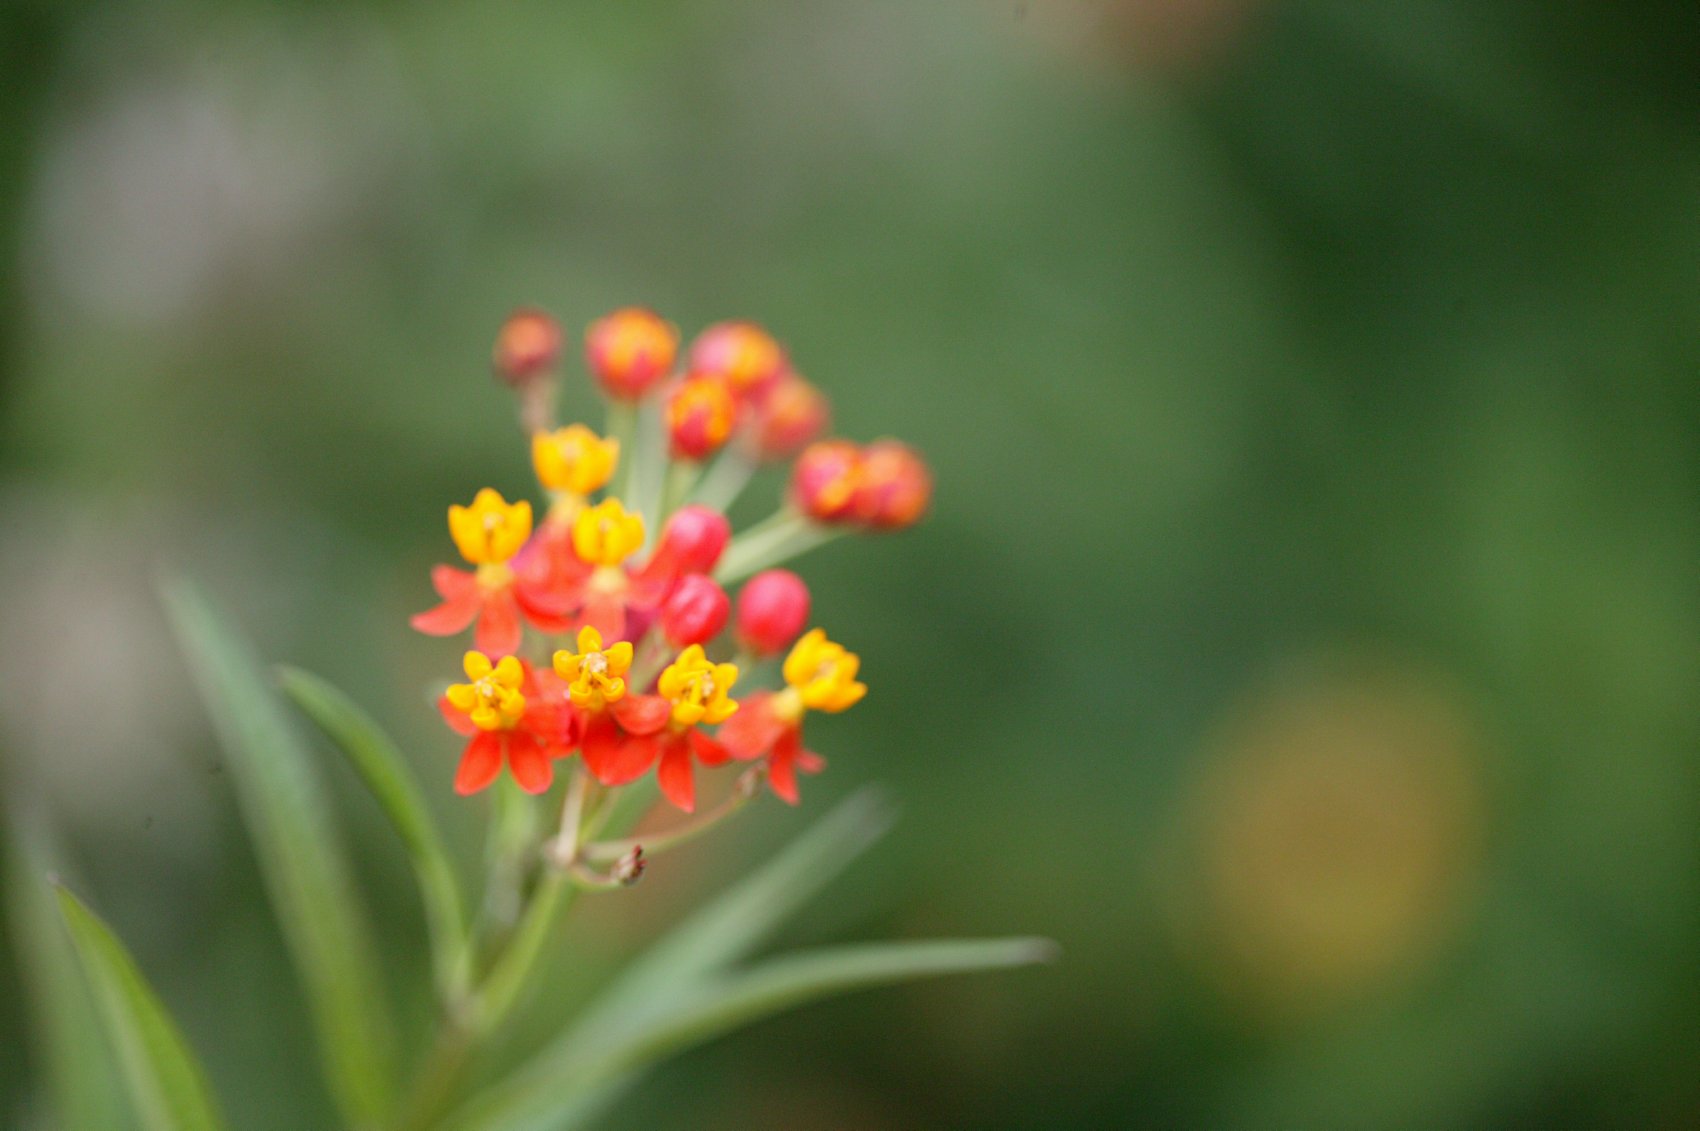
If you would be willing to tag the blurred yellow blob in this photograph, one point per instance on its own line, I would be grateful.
(1337, 835)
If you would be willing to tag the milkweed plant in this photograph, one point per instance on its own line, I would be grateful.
(625, 647)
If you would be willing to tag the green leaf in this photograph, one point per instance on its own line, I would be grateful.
(737, 921)
(167, 1082)
(551, 1095)
(385, 773)
(725, 930)
(76, 1063)
(288, 816)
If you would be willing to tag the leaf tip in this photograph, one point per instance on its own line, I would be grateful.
(1036, 951)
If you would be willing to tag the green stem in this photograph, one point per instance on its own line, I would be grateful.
(607, 851)
(622, 426)
(682, 475)
(727, 478)
(512, 968)
(778, 539)
(438, 1078)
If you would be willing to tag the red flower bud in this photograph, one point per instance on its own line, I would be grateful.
(825, 479)
(896, 486)
(741, 352)
(630, 350)
(700, 415)
(527, 346)
(695, 612)
(773, 607)
(693, 540)
(792, 413)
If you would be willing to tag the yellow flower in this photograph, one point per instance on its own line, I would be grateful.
(607, 534)
(698, 688)
(594, 676)
(492, 700)
(491, 530)
(823, 674)
(573, 459)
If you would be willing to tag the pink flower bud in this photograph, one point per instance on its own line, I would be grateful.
(825, 479)
(773, 607)
(630, 350)
(896, 486)
(791, 414)
(741, 352)
(527, 346)
(700, 415)
(696, 610)
(693, 539)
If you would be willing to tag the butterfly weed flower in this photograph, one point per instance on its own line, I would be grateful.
(645, 639)
(820, 675)
(511, 719)
(599, 634)
(615, 727)
(492, 596)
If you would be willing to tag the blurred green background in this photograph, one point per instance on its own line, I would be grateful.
(1307, 634)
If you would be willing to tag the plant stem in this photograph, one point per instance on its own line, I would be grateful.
(726, 480)
(682, 475)
(785, 535)
(622, 426)
(607, 851)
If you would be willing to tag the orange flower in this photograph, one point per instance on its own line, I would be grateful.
(489, 534)
(820, 676)
(512, 715)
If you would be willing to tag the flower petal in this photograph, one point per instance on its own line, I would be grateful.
(708, 751)
(498, 631)
(606, 613)
(450, 617)
(677, 782)
(454, 584)
(528, 762)
(642, 714)
(599, 742)
(782, 769)
(753, 731)
(458, 720)
(480, 764)
(637, 753)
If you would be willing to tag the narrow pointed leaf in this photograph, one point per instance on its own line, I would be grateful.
(166, 1082)
(78, 1070)
(382, 767)
(727, 929)
(550, 1095)
(288, 817)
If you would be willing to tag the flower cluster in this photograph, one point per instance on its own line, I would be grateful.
(601, 622)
